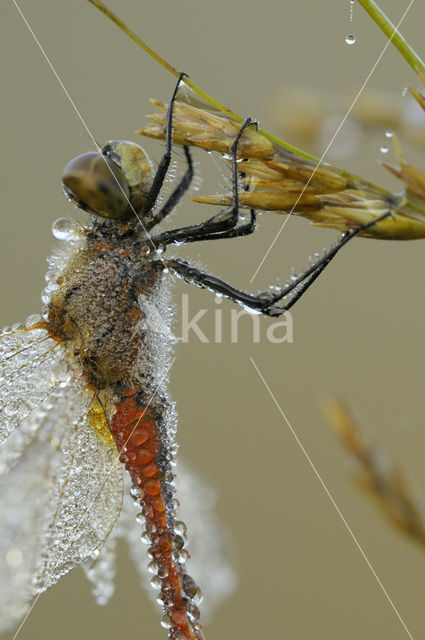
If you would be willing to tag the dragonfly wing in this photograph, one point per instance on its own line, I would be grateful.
(31, 366)
(100, 569)
(60, 498)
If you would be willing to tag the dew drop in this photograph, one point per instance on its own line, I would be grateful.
(180, 528)
(350, 38)
(193, 611)
(62, 229)
(145, 538)
(162, 572)
(384, 149)
(156, 582)
(153, 567)
(166, 622)
(178, 541)
(191, 589)
(134, 491)
(33, 319)
(183, 556)
(389, 133)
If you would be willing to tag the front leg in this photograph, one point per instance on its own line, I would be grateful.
(176, 195)
(164, 163)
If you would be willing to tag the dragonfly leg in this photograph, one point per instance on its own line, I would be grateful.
(176, 195)
(215, 228)
(266, 302)
(223, 224)
(164, 163)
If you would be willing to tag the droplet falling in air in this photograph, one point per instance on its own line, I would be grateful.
(384, 148)
(351, 10)
(404, 92)
(350, 38)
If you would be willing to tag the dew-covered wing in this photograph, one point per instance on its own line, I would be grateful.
(31, 366)
(60, 497)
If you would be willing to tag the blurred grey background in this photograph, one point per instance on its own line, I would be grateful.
(358, 332)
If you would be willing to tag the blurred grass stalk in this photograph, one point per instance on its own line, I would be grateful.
(381, 479)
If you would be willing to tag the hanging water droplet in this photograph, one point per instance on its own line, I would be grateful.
(178, 542)
(145, 538)
(183, 556)
(140, 518)
(389, 133)
(350, 38)
(193, 611)
(156, 582)
(180, 528)
(162, 572)
(134, 491)
(153, 567)
(191, 589)
(384, 149)
(166, 622)
(62, 229)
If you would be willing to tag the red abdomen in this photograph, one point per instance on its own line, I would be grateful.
(141, 437)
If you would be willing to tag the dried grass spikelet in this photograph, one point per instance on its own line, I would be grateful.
(283, 181)
(200, 128)
(381, 479)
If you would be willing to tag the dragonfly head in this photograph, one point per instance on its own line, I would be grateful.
(112, 183)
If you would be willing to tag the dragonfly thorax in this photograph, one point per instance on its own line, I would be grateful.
(112, 183)
(96, 312)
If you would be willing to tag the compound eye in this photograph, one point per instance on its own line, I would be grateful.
(96, 184)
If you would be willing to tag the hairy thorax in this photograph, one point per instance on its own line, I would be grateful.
(95, 313)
